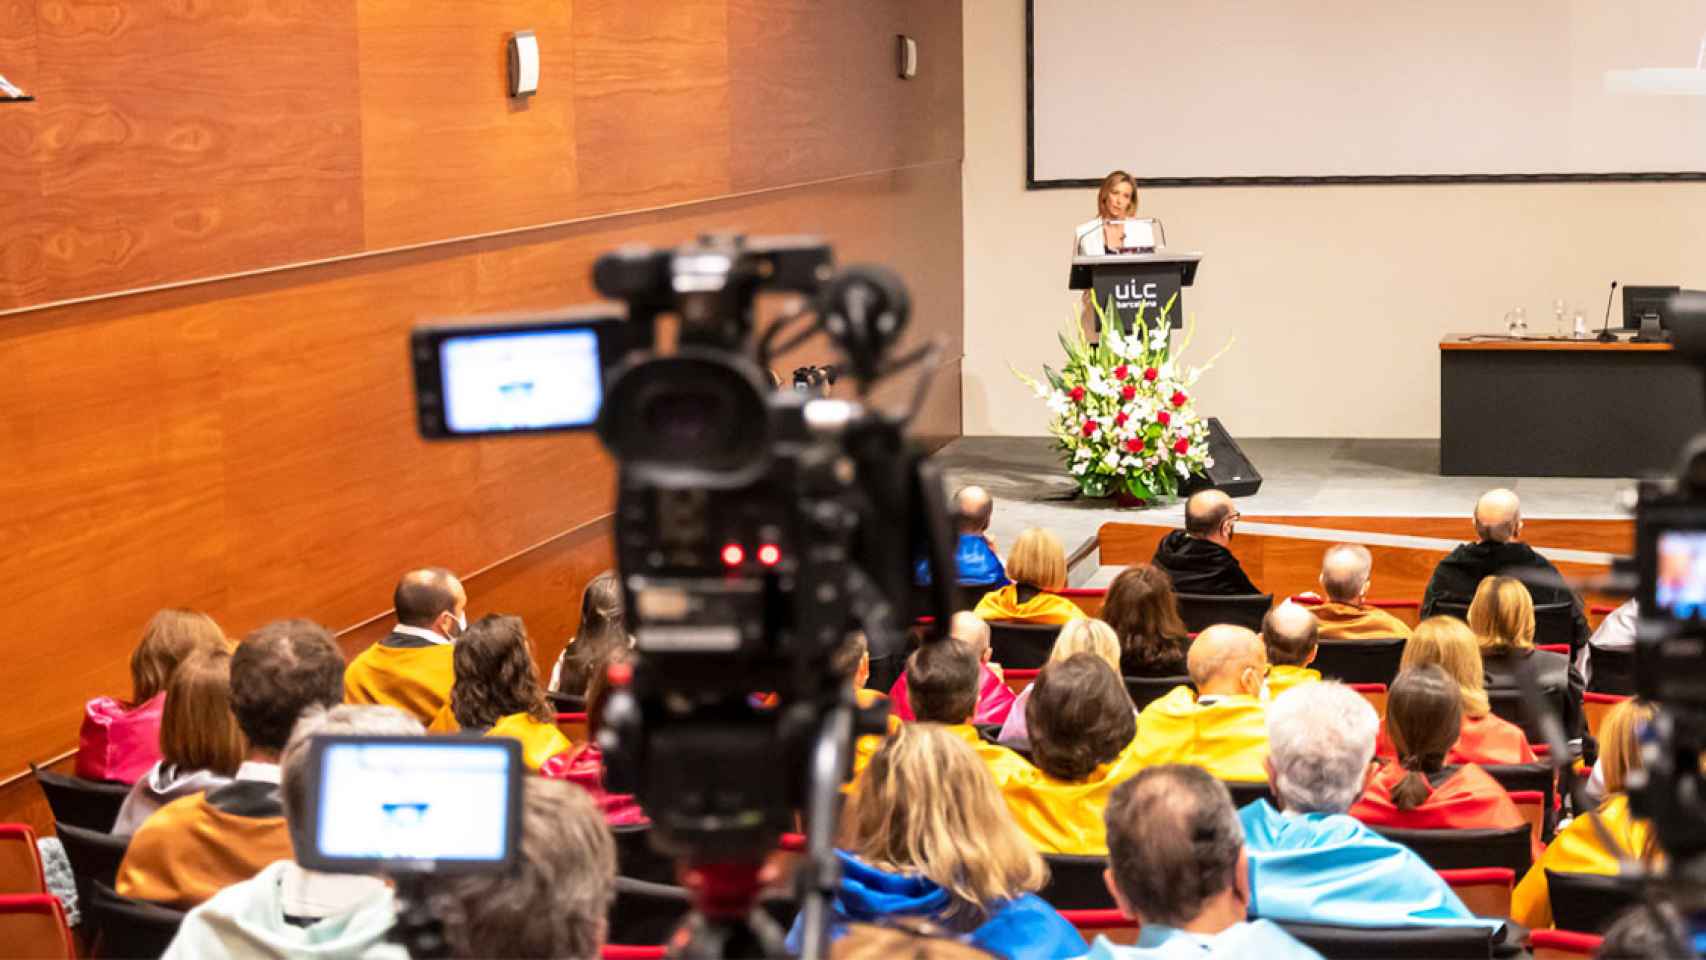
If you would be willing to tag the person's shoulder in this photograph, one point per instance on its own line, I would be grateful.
(1269, 939)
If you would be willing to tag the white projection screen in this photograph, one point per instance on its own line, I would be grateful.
(1299, 91)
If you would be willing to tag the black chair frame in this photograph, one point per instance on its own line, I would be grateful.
(1588, 903)
(1203, 610)
(1467, 849)
(1146, 690)
(1360, 661)
(91, 804)
(1018, 645)
(1075, 883)
(1394, 943)
(129, 928)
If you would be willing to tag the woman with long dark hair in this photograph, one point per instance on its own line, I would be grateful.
(497, 692)
(1144, 612)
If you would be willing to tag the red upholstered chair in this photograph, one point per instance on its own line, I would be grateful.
(1106, 923)
(33, 925)
(1595, 706)
(1375, 694)
(1486, 891)
(1532, 804)
(1562, 648)
(1562, 944)
(1088, 599)
(574, 726)
(20, 862)
(617, 951)
(1018, 680)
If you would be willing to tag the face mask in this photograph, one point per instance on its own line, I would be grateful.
(461, 625)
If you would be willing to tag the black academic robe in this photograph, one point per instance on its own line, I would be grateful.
(1201, 566)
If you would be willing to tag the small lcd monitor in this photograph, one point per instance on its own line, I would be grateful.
(1651, 303)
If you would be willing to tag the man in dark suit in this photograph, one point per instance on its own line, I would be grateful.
(1197, 557)
(1499, 550)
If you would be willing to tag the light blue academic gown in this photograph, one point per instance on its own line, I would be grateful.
(1258, 938)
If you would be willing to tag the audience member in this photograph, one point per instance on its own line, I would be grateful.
(1037, 566)
(1291, 635)
(603, 626)
(200, 745)
(413, 668)
(1345, 613)
(994, 698)
(927, 836)
(120, 740)
(974, 553)
(1083, 635)
(1502, 617)
(853, 661)
(1176, 865)
(1083, 743)
(196, 846)
(1580, 846)
(583, 763)
(497, 692)
(1615, 634)
(942, 678)
(287, 911)
(1499, 550)
(1144, 612)
(1222, 725)
(1484, 738)
(1312, 863)
(1643, 932)
(1198, 557)
(898, 940)
(1419, 791)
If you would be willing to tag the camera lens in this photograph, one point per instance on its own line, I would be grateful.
(683, 417)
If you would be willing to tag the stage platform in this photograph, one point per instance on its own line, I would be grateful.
(1302, 478)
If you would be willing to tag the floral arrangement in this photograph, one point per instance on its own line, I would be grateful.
(1123, 413)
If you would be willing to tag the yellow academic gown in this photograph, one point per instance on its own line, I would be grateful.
(416, 680)
(539, 741)
(1577, 849)
(866, 747)
(189, 850)
(1003, 604)
(1063, 816)
(1345, 621)
(1283, 677)
(1003, 764)
(1227, 737)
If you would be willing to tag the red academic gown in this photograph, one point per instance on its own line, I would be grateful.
(1483, 740)
(994, 700)
(1464, 798)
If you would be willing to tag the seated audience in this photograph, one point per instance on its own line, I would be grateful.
(1290, 633)
(120, 740)
(927, 836)
(200, 745)
(1419, 790)
(287, 911)
(1176, 865)
(603, 627)
(196, 846)
(1615, 634)
(994, 698)
(1222, 725)
(1144, 612)
(1502, 617)
(853, 661)
(1484, 738)
(1345, 613)
(920, 940)
(974, 553)
(942, 680)
(583, 763)
(1309, 861)
(1076, 636)
(1198, 557)
(413, 668)
(1642, 933)
(1499, 550)
(1037, 566)
(1579, 847)
(1083, 743)
(497, 694)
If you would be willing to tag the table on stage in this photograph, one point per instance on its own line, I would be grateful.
(1564, 408)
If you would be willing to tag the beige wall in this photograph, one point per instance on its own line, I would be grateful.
(1336, 296)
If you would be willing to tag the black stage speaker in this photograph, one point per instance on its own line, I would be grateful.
(1232, 471)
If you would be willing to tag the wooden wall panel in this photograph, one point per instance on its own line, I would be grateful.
(1604, 536)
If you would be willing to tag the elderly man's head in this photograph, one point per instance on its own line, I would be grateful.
(1320, 747)
(1210, 515)
(1345, 571)
(1227, 660)
(1176, 850)
(973, 506)
(1498, 516)
(1290, 633)
(970, 629)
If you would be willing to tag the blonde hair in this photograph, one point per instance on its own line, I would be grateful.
(1087, 635)
(1502, 615)
(928, 805)
(1449, 643)
(1619, 743)
(1038, 559)
(198, 731)
(170, 637)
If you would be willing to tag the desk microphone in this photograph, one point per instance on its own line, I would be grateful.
(1605, 334)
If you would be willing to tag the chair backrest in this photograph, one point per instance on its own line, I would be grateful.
(1017, 680)
(637, 860)
(566, 702)
(1075, 883)
(1090, 924)
(1202, 610)
(86, 803)
(1555, 623)
(1587, 903)
(94, 856)
(1595, 706)
(20, 861)
(1509, 704)
(1611, 671)
(1486, 891)
(1146, 690)
(1375, 693)
(33, 925)
(1459, 849)
(1524, 777)
(1245, 793)
(1016, 644)
(574, 726)
(1562, 944)
(1395, 943)
(1532, 805)
(1360, 661)
(130, 928)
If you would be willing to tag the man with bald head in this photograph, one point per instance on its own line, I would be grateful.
(1499, 551)
(1197, 557)
(412, 668)
(1222, 725)
(1291, 635)
(994, 699)
(974, 554)
(1346, 572)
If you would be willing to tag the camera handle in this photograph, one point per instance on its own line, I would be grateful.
(418, 929)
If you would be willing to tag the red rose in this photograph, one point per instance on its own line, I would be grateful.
(1164, 418)
(1182, 445)
(1120, 419)
(1128, 392)
(1151, 374)
(1077, 394)
(1134, 445)
(1178, 399)
(1089, 428)
(1121, 371)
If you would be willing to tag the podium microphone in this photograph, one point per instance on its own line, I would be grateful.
(1605, 334)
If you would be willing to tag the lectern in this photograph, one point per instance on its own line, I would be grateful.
(1137, 280)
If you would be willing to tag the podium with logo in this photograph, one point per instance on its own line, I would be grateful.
(1137, 280)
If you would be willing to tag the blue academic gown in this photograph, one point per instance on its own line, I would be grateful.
(1257, 938)
(978, 565)
(1330, 868)
(1024, 928)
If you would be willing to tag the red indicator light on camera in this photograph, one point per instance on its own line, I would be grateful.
(733, 555)
(769, 554)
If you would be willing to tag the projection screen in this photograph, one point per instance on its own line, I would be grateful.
(1301, 91)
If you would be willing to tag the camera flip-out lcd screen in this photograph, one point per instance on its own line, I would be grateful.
(1679, 588)
(521, 381)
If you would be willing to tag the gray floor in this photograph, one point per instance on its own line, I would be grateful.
(1300, 477)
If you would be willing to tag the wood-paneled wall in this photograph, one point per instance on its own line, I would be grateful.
(303, 182)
